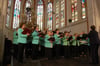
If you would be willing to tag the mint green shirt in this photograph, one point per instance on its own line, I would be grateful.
(35, 39)
(57, 39)
(22, 38)
(48, 44)
(74, 41)
(15, 38)
(65, 41)
(41, 41)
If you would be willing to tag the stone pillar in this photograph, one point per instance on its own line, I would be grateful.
(69, 15)
(45, 21)
(44, 12)
(90, 12)
(97, 14)
(1, 39)
(54, 14)
(3, 4)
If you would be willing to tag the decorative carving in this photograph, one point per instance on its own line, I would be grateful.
(29, 23)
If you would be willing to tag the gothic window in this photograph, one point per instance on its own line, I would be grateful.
(16, 16)
(49, 22)
(83, 2)
(28, 10)
(57, 14)
(40, 14)
(74, 10)
(8, 13)
(62, 13)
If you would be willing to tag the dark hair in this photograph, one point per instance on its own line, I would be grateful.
(93, 27)
(35, 27)
(56, 30)
(21, 24)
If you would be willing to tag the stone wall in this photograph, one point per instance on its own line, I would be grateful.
(76, 27)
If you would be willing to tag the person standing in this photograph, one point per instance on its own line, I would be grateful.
(22, 40)
(66, 45)
(94, 45)
(48, 45)
(57, 44)
(74, 46)
(35, 43)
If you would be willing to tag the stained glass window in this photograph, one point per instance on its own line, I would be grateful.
(40, 14)
(28, 10)
(62, 13)
(49, 22)
(57, 14)
(8, 13)
(28, 3)
(16, 13)
(74, 11)
(83, 8)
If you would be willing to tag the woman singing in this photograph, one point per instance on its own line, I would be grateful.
(35, 43)
(21, 42)
(57, 43)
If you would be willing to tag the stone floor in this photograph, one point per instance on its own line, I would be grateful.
(83, 61)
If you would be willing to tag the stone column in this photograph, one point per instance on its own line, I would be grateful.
(96, 7)
(3, 7)
(44, 10)
(1, 39)
(90, 12)
(54, 14)
(45, 16)
(69, 14)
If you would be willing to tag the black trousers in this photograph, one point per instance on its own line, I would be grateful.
(48, 53)
(66, 51)
(35, 51)
(15, 48)
(57, 48)
(61, 50)
(83, 48)
(21, 48)
(42, 52)
(74, 51)
(28, 49)
(94, 53)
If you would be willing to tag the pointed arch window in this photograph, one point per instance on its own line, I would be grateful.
(57, 14)
(28, 10)
(74, 10)
(62, 13)
(16, 15)
(8, 13)
(49, 22)
(83, 2)
(40, 14)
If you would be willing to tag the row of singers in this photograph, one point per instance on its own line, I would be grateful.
(50, 42)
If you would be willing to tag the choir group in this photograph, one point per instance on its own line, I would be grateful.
(48, 44)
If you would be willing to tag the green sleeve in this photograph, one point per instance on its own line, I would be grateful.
(56, 38)
(20, 33)
(46, 39)
(14, 35)
(34, 33)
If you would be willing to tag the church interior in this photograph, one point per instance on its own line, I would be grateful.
(74, 16)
